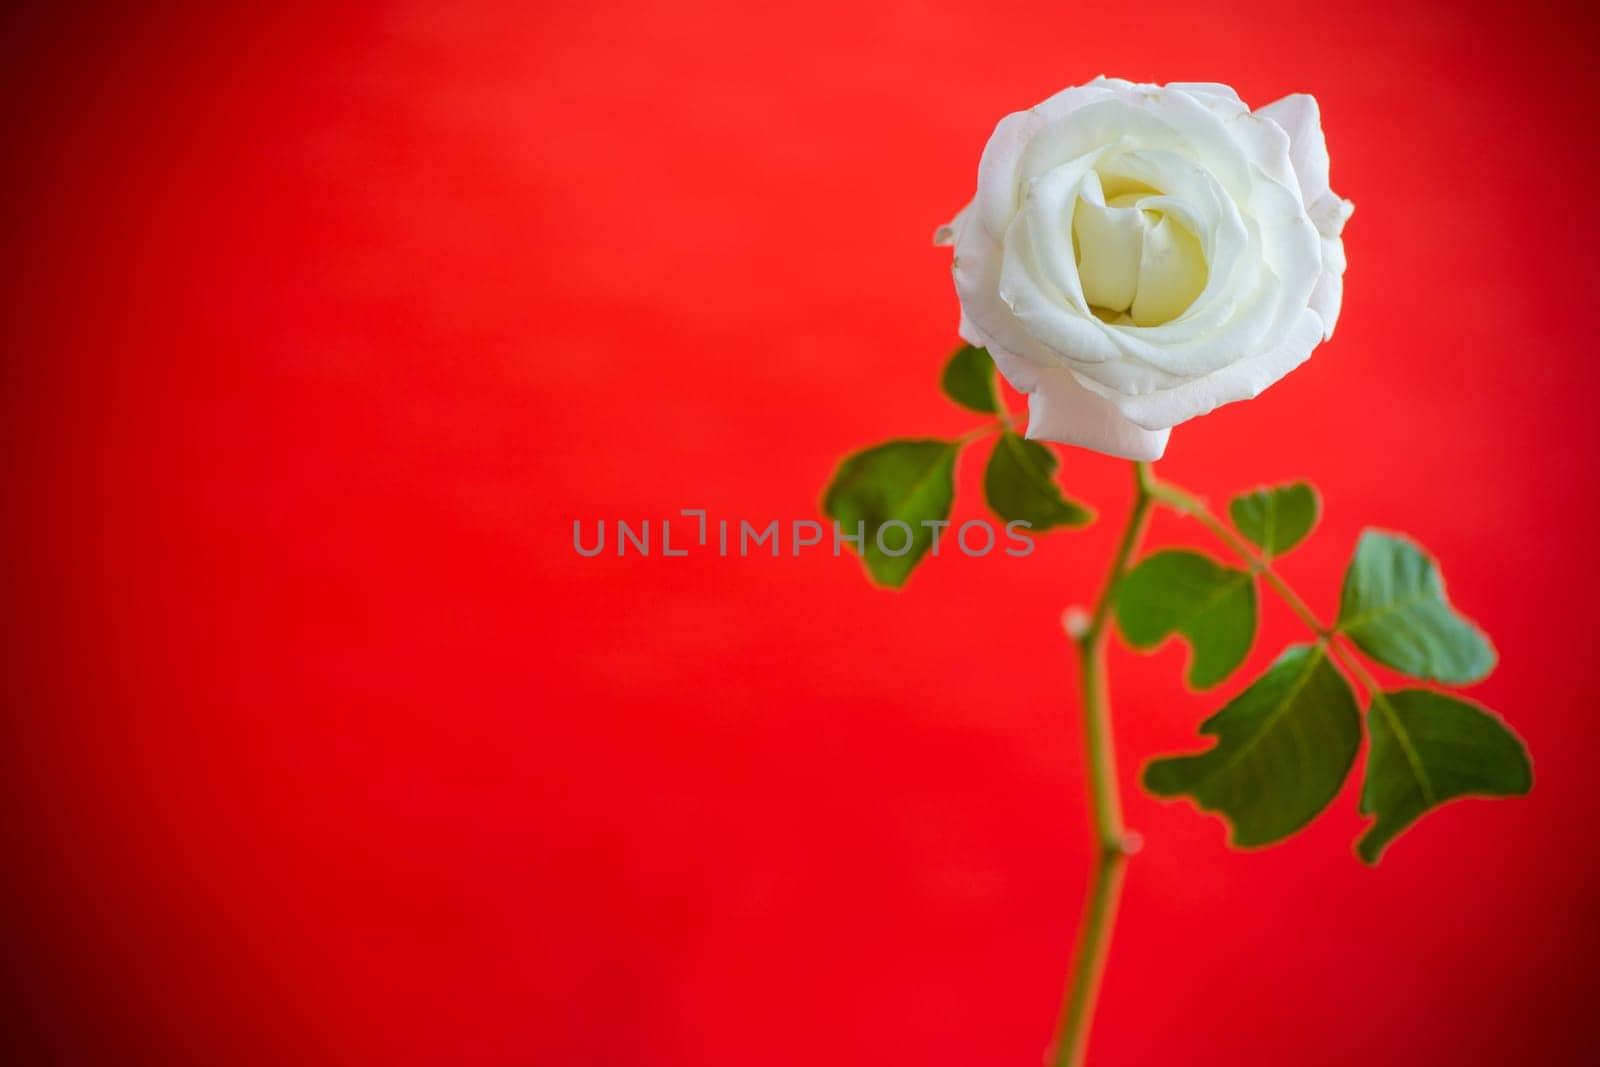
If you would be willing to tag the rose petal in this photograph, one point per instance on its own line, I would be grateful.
(1220, 92)
(1109, 243)
(1059, 409)
(976, 269)
(1172, 271)
(1237, 381)
(1325, 301)
(1299, 117)
(945, 236)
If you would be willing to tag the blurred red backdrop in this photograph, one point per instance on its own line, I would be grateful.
(325, 747)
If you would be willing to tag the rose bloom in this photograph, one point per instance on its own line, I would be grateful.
(1137, 255)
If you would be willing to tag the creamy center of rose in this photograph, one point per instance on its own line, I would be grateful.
(1138, 265)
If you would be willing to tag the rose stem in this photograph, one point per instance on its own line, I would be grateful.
(1186, 503)
(1105, 804)
(1105, 807)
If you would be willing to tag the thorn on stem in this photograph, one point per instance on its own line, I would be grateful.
(1075, 620)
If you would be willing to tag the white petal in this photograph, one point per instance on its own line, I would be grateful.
(945, 236)
(1171, 272)
(1117, 121)
(1071, 99)
(968, 331)
(976, 269)
(998, 188)
(1057, 321)
(1215, 91)
(1059, 409)
(1109, 244)
(1267, 146)
(1326, 299)
(1206, 137)
(1329, 214)
(1044, 226)
(1227, 317)
(1237, 381)
(1038, 279)
(1300, 118)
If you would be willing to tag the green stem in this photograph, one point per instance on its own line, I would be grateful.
(1186, 503)
(1105, 802)
(1353, 664)
(1113, 843)
(1004, 422)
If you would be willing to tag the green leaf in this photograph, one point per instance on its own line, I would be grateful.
(908, 482)
(1182, 592)
(1429, 748)
(1278, 518)
(1020, 485)
(1394, 608)
(1284, 747)
(968, 379)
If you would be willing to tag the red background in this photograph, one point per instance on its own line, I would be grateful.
(324, 747)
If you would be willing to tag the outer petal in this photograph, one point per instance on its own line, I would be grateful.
(1038, 279)
(1071, 99)
(976, 269)
(1060, 409)
(1325, 300)
(1237, 381)
(1308, 149)
(1219, 93)
(998, 193)
(1301, 119)
(1000, 173)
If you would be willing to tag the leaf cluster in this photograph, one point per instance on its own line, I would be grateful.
(1285, 745)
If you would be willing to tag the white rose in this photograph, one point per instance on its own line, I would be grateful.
(1137, 255)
